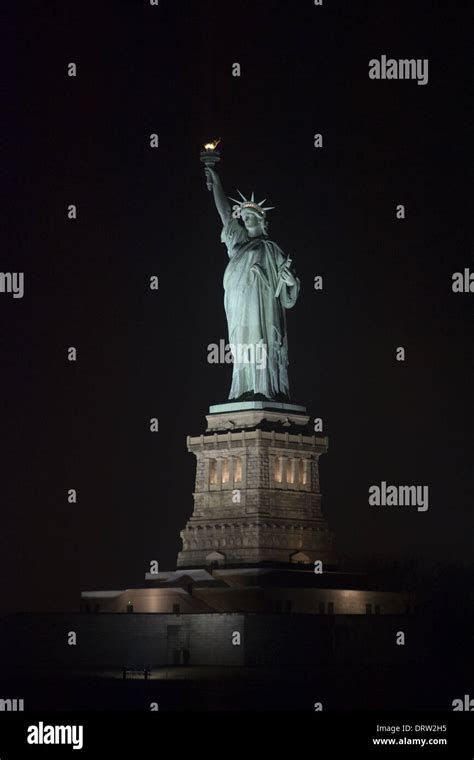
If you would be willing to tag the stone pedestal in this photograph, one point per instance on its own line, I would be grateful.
(257, 497)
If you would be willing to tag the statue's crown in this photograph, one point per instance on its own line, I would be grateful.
(259, 208)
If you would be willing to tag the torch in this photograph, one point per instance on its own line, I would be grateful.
(210, 157)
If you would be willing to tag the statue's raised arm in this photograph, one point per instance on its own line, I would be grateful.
(220, 198)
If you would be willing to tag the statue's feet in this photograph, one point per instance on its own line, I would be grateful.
(250, 396)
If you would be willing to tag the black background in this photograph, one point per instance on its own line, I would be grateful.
(142, 354)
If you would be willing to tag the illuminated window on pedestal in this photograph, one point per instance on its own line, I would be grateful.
(296, 471)
(278, 469)
(213, 472)
(303, 472)
(290, 471)
(225, 470)
(229, 470)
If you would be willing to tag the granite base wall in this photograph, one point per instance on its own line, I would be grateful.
(40, 642)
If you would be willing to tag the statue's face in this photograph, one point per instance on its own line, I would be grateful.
(252, 221)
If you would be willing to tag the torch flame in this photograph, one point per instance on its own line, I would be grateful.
(212, 145)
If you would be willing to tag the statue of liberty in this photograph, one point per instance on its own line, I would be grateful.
(259, 284)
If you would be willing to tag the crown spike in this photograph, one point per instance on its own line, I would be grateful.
(253, 197)
(241, 195)
(262, 202)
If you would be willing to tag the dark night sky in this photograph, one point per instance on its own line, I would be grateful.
(387, 283)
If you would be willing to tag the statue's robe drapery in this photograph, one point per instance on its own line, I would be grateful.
(255, 317)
